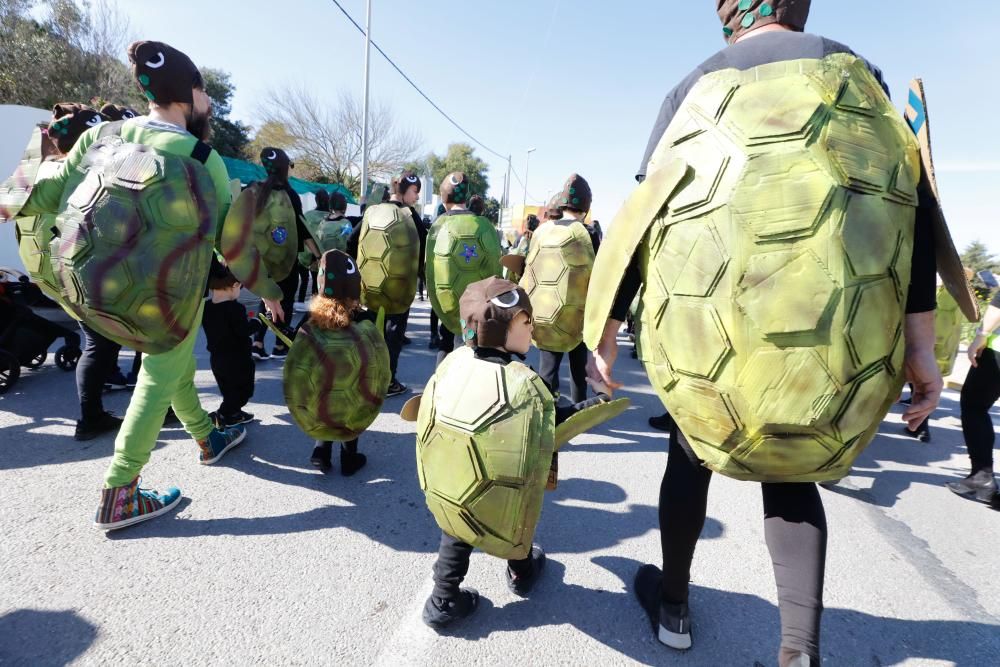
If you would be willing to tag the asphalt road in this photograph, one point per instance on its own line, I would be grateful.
(269, 561)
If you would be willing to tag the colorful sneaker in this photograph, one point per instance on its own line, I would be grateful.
(123, 506)
(219, 442)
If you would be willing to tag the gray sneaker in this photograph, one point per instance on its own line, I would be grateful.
(979, 485)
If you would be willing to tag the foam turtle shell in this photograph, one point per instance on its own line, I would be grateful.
(333, 234)
(275, 233)
(556, 276)
(432, 233)
(389, 258)
(948, 321)
(485, 439)
(335, 380)
(133, 243)
(465, 249)
(15, 190)
(774, 235)
(34, 235)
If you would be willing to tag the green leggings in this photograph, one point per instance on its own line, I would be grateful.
(165, 379)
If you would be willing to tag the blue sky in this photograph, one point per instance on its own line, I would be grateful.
(581, 81)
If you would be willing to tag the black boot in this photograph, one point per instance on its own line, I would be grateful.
(350, 460)
(440, 613)
(321, 456)
(521, 584)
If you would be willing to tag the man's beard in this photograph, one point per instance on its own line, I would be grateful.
(198, 125)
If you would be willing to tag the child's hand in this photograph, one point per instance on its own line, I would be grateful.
(599, 387)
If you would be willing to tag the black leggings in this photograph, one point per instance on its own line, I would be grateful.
(549, 363)
(980, 391)
(794, 528)
(288, 287)
(449, 341)
(97, 362)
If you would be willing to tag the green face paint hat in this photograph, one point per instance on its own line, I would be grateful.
(455, 188)
(69, 121)
(575, 194)
(164, 74)
(338, 276)
(741, 16)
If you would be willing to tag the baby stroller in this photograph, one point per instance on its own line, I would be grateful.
(25, 335)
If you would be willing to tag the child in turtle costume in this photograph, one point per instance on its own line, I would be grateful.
(487, 431)
(337, 370)
(783, 241)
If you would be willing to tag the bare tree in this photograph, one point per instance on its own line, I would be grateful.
(328, 139)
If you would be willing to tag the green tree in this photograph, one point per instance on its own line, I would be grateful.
(460, 157)
(492, 210)
(977, 256)
(229, 137)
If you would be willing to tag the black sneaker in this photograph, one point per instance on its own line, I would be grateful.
(671, 623)
(662, 423)
(259, 353)
(923, 432)
(116, 382)
(88, 430)
(351, 462)
(235, 419)
(979, 485)
(171, 420)
(440, 614)
(522, 585)
(995, 502)
(321, 456)
(395, 389)
(131, 379)
(406, 340)
(434, 344)
(279, 350)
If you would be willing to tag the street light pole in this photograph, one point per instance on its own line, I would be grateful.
(527, 161)
(364, 130)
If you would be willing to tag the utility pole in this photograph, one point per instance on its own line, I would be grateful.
(364, 130)
(527, 161)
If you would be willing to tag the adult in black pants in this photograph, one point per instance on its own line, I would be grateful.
(795, 528)
(98, 360)
(980, 391)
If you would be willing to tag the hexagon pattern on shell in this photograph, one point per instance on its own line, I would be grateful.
(275, 233)
(34, 236)
(134, 241)
(485, 437)
(335, 380)
(947, 331)
(389, 258)
(775, 277)
(556, 277)
(465, 249)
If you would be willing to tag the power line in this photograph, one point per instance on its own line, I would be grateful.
(417, 88)
(521, 183)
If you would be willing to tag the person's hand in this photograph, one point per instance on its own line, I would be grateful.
(275, 310)
(922, 370)
(602, 360)
(976, 348)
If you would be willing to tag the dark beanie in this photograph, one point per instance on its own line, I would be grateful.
(575, 194)
(276, 162)
(115, 112)
(164, 74)
(338, 202)
(741, 16)
(69, 121)
(403, 182)
(487, 308)
(338, 276)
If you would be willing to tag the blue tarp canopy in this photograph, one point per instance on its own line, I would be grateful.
(248, 172)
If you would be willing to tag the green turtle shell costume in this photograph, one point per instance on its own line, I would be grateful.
(947, 331)
(556, 276)
(260, 249)
(774, 236)
(335, 380)
(34, 236)
(464, 249)
(134, 232)
(328, 235)
(389, 258)
(485, 438)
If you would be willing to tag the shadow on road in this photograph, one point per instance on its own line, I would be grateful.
(42, 637)
(728, 628)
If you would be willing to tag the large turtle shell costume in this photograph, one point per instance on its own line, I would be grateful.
(389, 258)
(485, 438)
(556, 276)
(335, 380)
(34, 235)
(133, 242)
(947, 331)
(465, 249)
(774, 236)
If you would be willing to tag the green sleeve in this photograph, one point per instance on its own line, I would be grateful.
(220, 178)
(47, 193)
